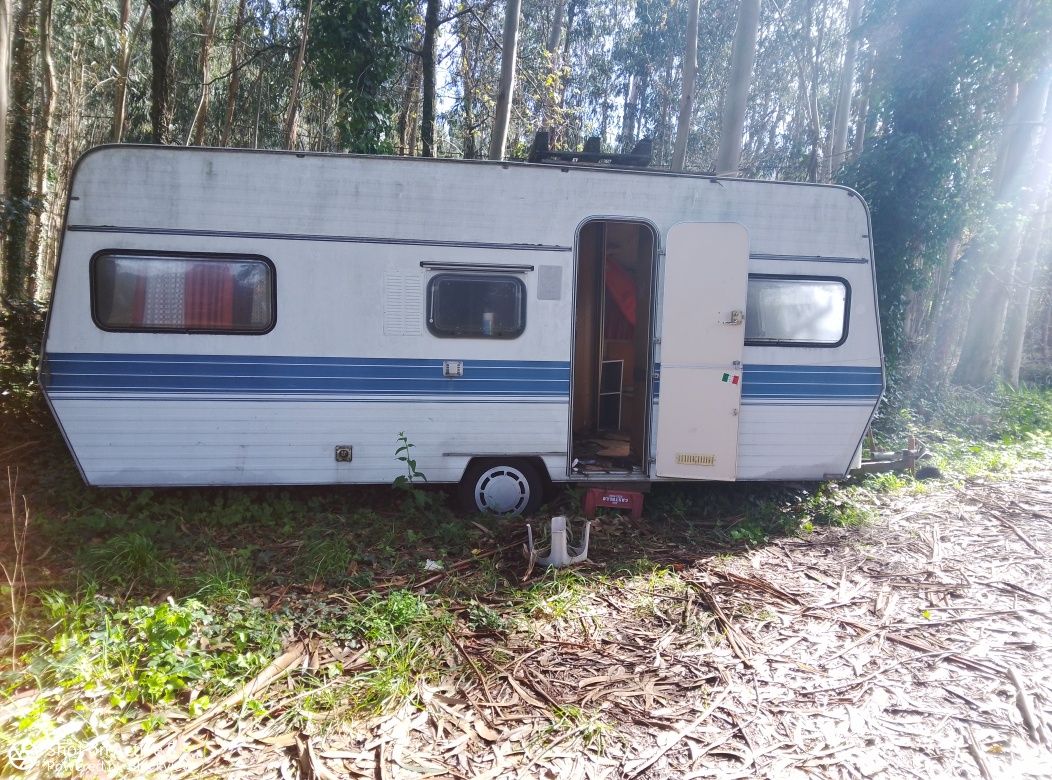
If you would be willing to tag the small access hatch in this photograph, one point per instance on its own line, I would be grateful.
(702, 337)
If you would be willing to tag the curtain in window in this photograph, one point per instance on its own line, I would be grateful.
(209, 297)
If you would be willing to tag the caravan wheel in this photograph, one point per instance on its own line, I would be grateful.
(509, 489)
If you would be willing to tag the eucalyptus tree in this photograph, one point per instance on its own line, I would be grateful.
(474, 79)
(297, 76)
(42, 134)
(5, 78)
(838, 154)
(18, 267)
(161, 55)
(923, 171)
(690, 72)
(1021, 183)
(128, 37)
(506, 87)
(356, 46)
(235, 73)
(209, 20)
(742, 56)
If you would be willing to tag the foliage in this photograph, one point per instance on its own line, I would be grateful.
(925, 175)
(417, 501)
(1024, 412)
(21, 333)
(403, 455)
(103, 665)
(354, 48)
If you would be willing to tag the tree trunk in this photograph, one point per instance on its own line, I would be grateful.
(506, 88)
(42, 142)
(66, 149)
(1017, 201)
(842, 117)
(555, 34)
(1026, 265)
(209, 19)
(862, 120)
(1046, 324)
(259, 108)
(686, 98)
(5, 80)
(128, 37)
(18, 269)
(628, 121)
(412, 88)
(161, 109)
(663, 112)
(467, 82)
(297, 77)
(427, 57)
(732, 125)
(235, 75)
(1019, 312)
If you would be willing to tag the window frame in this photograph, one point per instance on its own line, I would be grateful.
(481, 274)
(806, 344)
(160, 254)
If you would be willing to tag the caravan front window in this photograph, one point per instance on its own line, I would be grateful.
(145, 292)
(476, 306)
(796, 311)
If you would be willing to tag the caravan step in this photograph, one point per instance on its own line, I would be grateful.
(630, 500)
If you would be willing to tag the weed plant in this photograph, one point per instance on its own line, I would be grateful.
(104, 667)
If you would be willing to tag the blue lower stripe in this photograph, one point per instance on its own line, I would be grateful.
(268, 375)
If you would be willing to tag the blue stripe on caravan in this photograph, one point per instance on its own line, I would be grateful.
(820, 382)
(303, 375)
(788, 382)
(395, 377)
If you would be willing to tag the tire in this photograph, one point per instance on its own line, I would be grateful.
(504, 488)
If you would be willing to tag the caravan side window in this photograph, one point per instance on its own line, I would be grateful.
(145, 292)
(476, 306)
(799, 311)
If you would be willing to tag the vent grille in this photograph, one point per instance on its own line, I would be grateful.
(403, 304)
(694, 459)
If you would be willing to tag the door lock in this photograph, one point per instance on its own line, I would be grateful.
(737, 317)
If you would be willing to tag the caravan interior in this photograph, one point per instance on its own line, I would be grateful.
(612, 339)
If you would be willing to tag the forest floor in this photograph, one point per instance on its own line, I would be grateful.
(256, 635)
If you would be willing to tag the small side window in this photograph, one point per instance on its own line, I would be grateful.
(796, 311)
(476, 306)
(182, 293)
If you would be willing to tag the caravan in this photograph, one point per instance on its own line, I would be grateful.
(230, 317)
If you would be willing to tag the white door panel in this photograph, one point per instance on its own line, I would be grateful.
(702, 337)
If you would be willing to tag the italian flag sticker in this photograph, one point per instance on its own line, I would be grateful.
(732, 378)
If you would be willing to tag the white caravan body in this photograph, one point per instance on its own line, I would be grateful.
(343, 343)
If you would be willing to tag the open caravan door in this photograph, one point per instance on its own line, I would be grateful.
(702, 337)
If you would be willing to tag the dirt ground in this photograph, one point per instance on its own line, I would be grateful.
(919, 645)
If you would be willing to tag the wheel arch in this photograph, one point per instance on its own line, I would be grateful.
(495, 460)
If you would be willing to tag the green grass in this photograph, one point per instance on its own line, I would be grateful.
(325, 556)
(103, 667)
(128, 559)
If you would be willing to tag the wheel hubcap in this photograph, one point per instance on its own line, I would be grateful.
(502, 491)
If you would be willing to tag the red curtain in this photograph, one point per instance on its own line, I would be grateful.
(138, 313)
(620, 302)
(209, 297)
